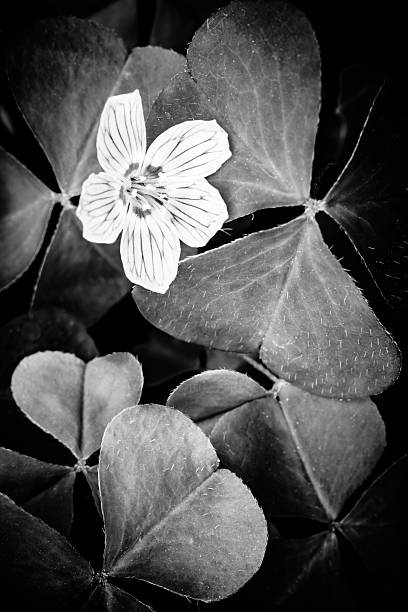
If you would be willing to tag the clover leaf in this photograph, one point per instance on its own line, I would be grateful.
(62, 71)
(278, 294)
(368, 200)
(255, 68)
(303, 458)
(207, 396)
(43, 489)
(281, 294)
(46, 328)
(170, 518)
(24, 215)
(73, 402)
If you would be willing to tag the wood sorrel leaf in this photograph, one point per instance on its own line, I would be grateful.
(25, 208)
(48, 328)
(170, 517)
(110, 598)
(209, 393)
(41, 488)
(302, 455)
(62, 71)
(83, 277)
(376, 525)
(280, 293)
(37, 564)
(369, 199)
(206, 396)
(296, 570)
(74, 401)
(255, 68)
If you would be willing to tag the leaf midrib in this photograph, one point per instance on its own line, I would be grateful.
(317, 487)
(120, 561)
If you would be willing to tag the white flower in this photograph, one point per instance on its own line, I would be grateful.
(156, 197)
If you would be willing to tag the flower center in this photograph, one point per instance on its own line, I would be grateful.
(143, 191)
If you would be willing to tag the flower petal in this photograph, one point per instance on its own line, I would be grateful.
(193, 149)
(101, 208)
(198, 212)
(121, 139)
(150, 248)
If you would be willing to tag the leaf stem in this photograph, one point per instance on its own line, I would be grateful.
(258, 366)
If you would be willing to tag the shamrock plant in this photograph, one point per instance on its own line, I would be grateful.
(199, 217)
(279, 294)
(303, 458)
(164, 504)
(73, 402)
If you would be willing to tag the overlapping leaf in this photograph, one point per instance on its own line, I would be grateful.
(281, 294)
(310, 447)
(85, 278)
(306, 573)
(25, 208)
(278, 294)
(170, 518)
(303, 457)
(302, 454)
(378, 521)
(255, 68)
(73, 402)
(206, 396)
(62, 71)
(314, 571)
(47, 328)
(369, 198)
(79, 64)
(37, 563)
(41, 488)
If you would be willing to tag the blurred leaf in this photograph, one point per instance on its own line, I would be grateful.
(358, 86)
(91, 475)
(377, 524)
(121, 16)
(164, 357)
(369, 199)
(314, 572)
(175, 23)
(25, 208)
(216, 360)
(198, 532)
(74, 401)
(79, 64)
(38, 565)
(25, 11)
(302, 455)
(255, 68)
(110, 598)
(306, 573)
(48, 328)
(43, 489)
(85, 278)
(62, 71)
(280, 292)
